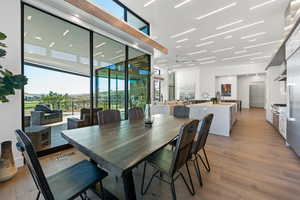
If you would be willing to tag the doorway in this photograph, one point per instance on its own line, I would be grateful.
(257, 95)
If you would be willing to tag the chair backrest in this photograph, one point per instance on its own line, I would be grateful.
(108, 116)
(184, 145)
(24, 145)
(136, 113)
(203, 133)
(181, 111)
(85, 115)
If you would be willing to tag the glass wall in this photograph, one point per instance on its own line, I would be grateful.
(56, 57)
(120, 11)
(138, 78)
(57, 62)
(157, 87)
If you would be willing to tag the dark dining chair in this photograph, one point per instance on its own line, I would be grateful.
(181, 111)
(108, 116)
(169, 163)
(199, 145)
(136, 113)
(67, 184)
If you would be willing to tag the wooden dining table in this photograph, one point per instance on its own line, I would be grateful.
(119, 147)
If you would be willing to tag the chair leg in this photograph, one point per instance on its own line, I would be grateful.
(38, 196)
(173, 190)
(198, 172)
(143, 179)
(206, 165)
(191, 190)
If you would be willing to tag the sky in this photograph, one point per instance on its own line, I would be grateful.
(42, 81)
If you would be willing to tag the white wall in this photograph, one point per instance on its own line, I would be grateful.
(10, 113)
(227, 80)
(205, 77)
(244, 83)
(186, 79)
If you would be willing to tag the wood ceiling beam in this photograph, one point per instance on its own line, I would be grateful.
(115, 22)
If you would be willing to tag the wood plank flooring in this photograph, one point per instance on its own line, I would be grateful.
(252, 164)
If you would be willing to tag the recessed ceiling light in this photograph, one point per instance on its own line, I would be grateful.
(52, 44)
(197, 52)
(38, 38)
(205, 44)
(149, 2)
(240, 52)
(29, 17)
(243, 56)
(228, 37)
(183, 33)
(221, 50)
(252, 40)
(253, 35)
(216, 11)
(182, 3)
(66, 32)
(233, 30)
(97, 54)
(208, 62)
(191, 64)
(230, 24)
(179, 46)
(100, 45)
(261, 57)
(263, 44)
(183, 40)
(262, 4)
(207, 58)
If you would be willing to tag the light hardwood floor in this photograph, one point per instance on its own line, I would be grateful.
(252, 164)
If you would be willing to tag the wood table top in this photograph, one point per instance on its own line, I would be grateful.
(118, 147)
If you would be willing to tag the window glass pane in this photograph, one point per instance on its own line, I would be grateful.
(111, 7)
(109, 71)
(137, 23)
(56, 55)
(138, 78)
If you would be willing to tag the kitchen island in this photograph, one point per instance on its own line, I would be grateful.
(224, 114)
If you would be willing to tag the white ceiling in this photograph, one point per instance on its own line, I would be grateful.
(167, 21)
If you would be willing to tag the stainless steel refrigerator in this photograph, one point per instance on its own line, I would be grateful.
(293, 87)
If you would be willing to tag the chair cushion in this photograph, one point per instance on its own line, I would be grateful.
(162, 160)
(74, 180)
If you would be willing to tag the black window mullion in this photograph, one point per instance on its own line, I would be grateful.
(126, 83)
(91, 76)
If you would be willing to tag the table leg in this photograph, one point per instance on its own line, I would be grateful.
(128, 186)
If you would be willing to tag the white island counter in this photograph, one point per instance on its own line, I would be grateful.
(224, 116)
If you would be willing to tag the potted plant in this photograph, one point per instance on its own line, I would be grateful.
(9, 82)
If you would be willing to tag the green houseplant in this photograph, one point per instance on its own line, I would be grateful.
(8, 81)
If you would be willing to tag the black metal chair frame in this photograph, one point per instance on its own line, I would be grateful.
(177, 162)
(200, 145)
(24, 145)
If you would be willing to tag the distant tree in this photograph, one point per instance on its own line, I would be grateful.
(56, 100)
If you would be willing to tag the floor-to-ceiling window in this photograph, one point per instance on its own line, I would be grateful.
(56, 62)
(58, 57)
(109, 73)
(171, 86)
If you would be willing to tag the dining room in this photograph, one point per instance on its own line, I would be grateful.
(114, 99)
